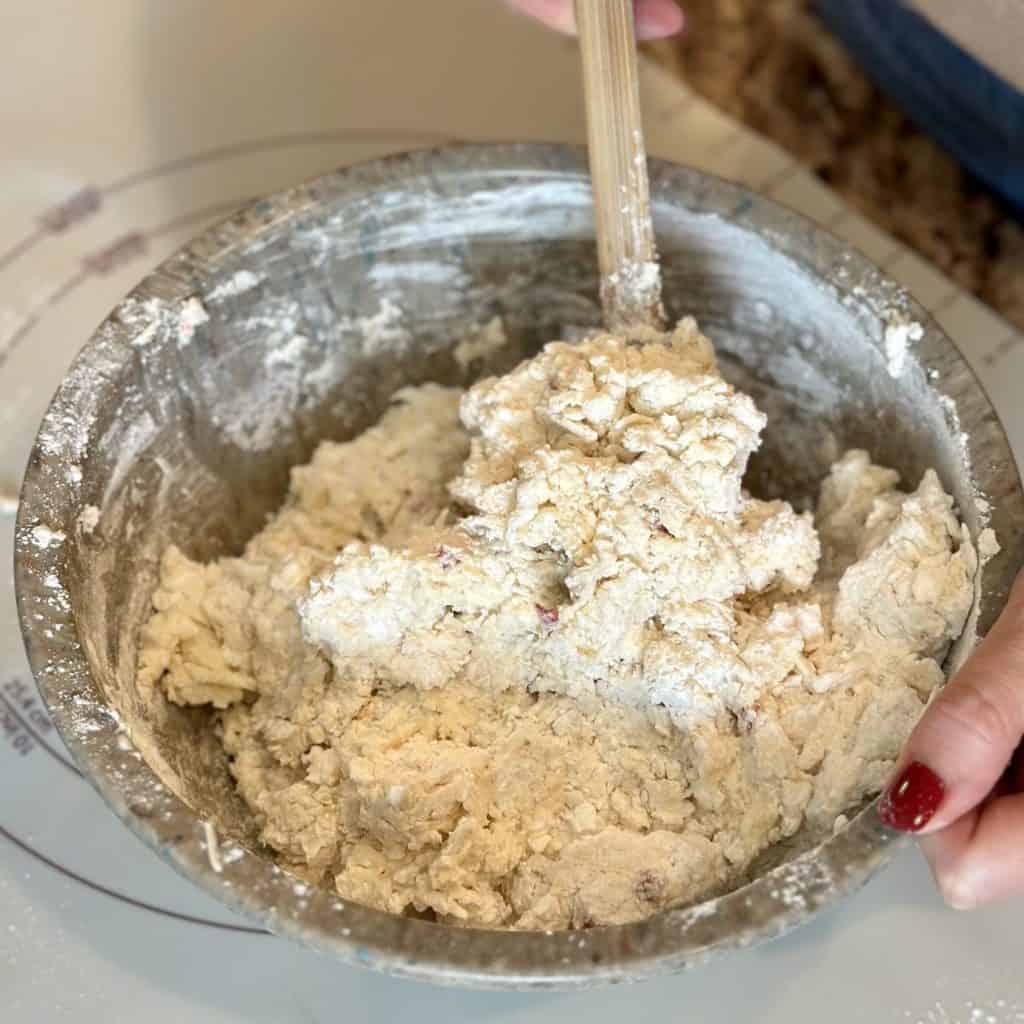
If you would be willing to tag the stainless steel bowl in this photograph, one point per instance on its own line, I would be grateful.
(179, 420)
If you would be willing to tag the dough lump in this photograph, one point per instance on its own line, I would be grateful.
(530, 656)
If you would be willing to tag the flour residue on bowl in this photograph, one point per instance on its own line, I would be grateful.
(988, 544)
(191, 315)
(241, 281)
(88, 518)
(899, 334)
(383, 331)
(43, 537)
(483, 345)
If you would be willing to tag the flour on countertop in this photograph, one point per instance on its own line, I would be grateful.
(990, 1011)
(530, 656)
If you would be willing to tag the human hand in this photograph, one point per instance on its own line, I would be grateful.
(956, 786)
(655, 19)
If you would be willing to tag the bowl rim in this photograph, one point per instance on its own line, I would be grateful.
(768, 906)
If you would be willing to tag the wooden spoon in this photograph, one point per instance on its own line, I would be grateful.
(630, 274)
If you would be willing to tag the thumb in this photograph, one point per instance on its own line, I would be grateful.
(557, 14)
(966, 737)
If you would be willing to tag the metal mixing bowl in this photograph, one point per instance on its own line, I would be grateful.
(179, 420)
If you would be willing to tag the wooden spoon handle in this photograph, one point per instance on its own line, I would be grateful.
(630, 275)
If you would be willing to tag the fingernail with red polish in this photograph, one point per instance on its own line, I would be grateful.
(912, 799)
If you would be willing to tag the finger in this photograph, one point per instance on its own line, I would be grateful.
(556, 14)
(980, 858)
(657, 19)
(654, 19)
(966, 737)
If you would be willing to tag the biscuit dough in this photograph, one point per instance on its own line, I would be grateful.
(529, 656)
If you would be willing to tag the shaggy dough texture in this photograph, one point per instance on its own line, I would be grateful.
(530, 656)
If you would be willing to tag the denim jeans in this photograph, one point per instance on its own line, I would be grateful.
(967, 109)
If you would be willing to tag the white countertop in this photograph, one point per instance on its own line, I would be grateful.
(159, 116)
